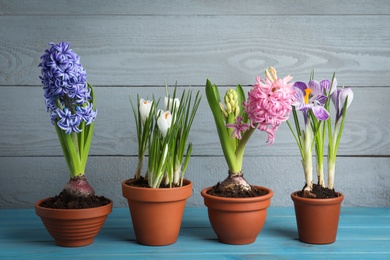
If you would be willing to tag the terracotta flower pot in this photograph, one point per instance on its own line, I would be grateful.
(157, 213)
(73, 227)
(317, 219)
(237, 221)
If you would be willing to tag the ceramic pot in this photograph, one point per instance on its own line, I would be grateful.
(317, 219)
(157, 213)
(237, 221)
(73, 227)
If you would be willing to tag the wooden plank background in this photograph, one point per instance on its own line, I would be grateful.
(130, 47)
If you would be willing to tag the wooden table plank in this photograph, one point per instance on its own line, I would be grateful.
(363, 232)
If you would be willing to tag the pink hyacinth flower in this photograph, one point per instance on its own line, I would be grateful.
(269, 103)
(238, 128)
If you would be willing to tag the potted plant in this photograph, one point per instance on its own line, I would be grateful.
(76, 215)
(317, 206)
(157, 198)
(237, 210)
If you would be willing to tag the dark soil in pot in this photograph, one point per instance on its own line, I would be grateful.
(68, 201)
(236, 192)
(318, 192)
(143, 183)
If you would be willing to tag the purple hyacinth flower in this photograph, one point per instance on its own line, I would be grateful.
(68, 122)
(61, 70)
(86, 113)
(65, 82)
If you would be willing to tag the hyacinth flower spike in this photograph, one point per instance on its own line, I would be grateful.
(70, 101)
(268, 105)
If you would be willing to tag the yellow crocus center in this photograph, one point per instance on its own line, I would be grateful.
(307, 93)
(166, 115)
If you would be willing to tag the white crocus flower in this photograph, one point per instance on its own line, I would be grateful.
(144, 109)
(168, 105)
(164, 122)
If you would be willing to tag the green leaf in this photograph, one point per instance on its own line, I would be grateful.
(241, 100)
(213, 99)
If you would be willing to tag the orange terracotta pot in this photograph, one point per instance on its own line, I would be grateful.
(317, 219)
(73, 227)
(237, 221)
(157, 213)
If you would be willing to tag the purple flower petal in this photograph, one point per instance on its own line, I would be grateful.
(64, 79)
(346, 92)
(335, 98)
(299, 96)
(325, 84)
(300, 85)
(320, 112)
(315, 88)
(68, 122)
(321, 100)
(303, 107)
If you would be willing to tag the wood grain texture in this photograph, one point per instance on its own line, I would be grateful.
(363, 233)
(146, 50)
(27, 131)
(193, 7)
(25, 180)
(130, 47)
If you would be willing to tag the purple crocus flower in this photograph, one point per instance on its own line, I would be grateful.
(339, 97)
(326, 85)
(311, 97)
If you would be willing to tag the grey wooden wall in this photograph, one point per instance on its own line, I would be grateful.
(130, 47)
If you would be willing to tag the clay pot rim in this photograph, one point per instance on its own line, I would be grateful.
(186, 182)
(315, 201)
(73, 213)
(239, 200)
(157, 195)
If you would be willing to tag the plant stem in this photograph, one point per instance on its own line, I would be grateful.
(320, 154)
(307, 161)
(331, 172)
(139, 166)
(213, 99)
(241, 147)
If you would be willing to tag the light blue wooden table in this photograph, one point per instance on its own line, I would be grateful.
(364, 233)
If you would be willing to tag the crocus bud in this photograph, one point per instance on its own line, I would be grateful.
(144, 109)
(326, 84)
(164, 122)
(339, 97)
(169, 103)
(346, 92)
